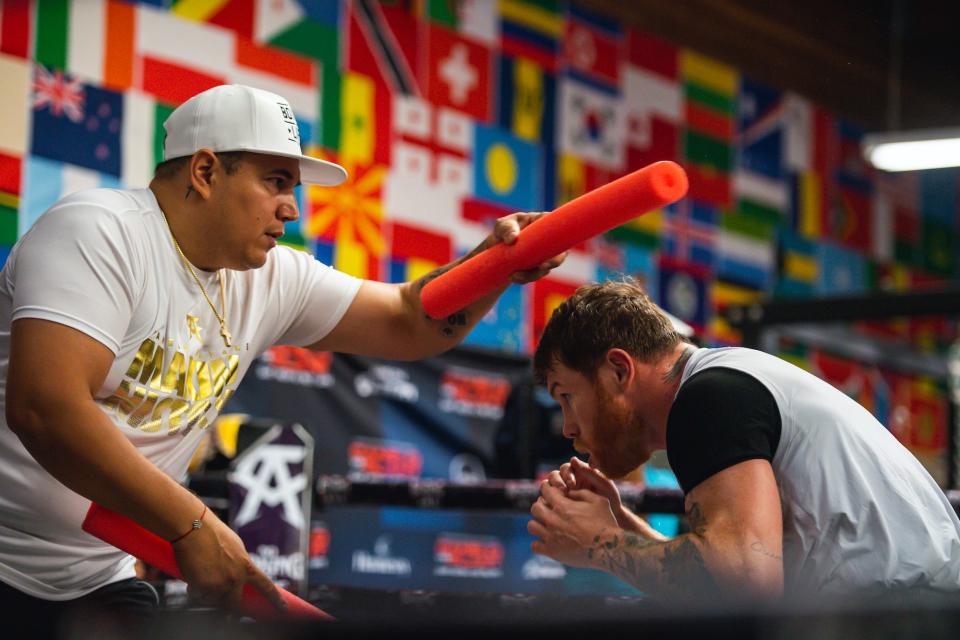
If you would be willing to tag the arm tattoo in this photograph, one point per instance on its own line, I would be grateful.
(673, 568)
(448, 327)
(698, 522)
(757, 547)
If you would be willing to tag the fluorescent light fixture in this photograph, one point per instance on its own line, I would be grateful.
(913, 150)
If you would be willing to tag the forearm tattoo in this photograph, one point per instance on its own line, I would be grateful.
(663, 569)
(757, 547)
(448, 326)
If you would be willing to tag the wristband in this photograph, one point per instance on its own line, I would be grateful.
(196, 525)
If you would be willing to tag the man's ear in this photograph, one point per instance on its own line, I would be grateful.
(622, 366)
(203, 167)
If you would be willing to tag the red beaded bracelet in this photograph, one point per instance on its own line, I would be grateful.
(196, 525)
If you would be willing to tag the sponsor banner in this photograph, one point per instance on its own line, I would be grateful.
(271, 490)
(381, 560)
(460, 555)
(371, 457)
(318, 546)
(473, 393)
(434, 418)
(446, 550)
(296, 366)
(386, 381)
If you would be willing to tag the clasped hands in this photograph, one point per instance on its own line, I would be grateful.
(579, 509)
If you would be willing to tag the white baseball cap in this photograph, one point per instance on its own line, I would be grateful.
(234, 117)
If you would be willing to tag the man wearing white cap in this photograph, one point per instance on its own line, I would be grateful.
(128, 318)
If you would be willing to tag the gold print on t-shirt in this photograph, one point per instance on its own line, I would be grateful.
(179, 396)
(193, 326)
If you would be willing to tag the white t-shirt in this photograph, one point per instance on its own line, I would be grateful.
(860, 513)
(103, 262)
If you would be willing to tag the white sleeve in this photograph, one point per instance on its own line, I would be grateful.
(314, 297)
(76, 267)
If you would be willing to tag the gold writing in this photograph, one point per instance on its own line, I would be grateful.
(176, 396)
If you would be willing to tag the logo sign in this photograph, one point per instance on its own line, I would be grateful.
(270, 486)
(293, 365)
(475, 394)
(388, 382)
(319, 546)
(543, 568)
(464, 556)
(381, 561)
(368, 456)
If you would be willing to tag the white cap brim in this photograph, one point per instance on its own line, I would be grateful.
(312, 170)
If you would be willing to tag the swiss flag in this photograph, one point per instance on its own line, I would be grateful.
(458, 73)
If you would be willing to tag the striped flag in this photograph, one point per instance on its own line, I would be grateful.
(236, 15)
(759, 185)
(10, 179)
(46, 181)
(710, 90)
(746, 253)
(17, 80)
(526, 100)
(416, 251)
(142, 135)
(290, 75)
(798, 265)
(532, 29)
(645, 231)
(16, 21)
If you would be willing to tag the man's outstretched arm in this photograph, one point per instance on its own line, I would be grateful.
(733, 547)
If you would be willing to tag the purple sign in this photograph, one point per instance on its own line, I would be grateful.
(271, 485)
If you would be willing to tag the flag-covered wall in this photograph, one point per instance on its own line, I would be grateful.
(449, 113)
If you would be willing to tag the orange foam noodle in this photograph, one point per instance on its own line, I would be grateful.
(591, 214)
(126, 535)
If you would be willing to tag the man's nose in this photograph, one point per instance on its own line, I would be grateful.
(288, 210)
(570, 429)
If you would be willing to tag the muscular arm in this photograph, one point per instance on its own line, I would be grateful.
(733, 547)
(388, 320)
(53, 375)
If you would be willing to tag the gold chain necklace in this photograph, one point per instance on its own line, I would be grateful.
(221, 317)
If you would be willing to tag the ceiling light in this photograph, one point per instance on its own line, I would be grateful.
(913, 150)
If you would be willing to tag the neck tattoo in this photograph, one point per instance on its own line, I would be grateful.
(677, 369)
